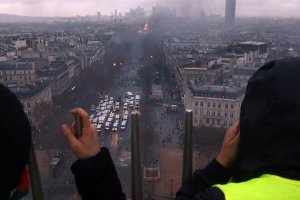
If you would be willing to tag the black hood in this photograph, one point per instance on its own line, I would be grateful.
(270, 123)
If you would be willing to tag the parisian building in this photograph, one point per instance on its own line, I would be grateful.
(214, 105)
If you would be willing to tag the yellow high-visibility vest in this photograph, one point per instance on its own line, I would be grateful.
(265, 187)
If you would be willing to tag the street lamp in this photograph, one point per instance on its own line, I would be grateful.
(153, 163)
(171, 193)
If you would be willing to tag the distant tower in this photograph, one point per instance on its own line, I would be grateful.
(230, 13)
(99, 15)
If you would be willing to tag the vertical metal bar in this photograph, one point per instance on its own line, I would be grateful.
(35, 181)
(187, 161)
(136, 175)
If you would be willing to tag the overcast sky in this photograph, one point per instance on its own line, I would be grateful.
(270, 8)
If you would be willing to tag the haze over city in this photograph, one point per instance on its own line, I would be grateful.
(163, 82)
(258, 8)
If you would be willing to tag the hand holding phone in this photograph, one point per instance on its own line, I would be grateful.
(78, 126)
(82, 136)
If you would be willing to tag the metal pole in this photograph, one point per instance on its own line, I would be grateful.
(152, 175)
(187, 168)
(171, 193)
(136, 175)
(35, 181)
(153, 163)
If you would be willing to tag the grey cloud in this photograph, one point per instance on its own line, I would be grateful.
(190, 7)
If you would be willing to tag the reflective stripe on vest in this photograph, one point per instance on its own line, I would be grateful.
(266, 187)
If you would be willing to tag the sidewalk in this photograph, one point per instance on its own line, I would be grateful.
(171, 168)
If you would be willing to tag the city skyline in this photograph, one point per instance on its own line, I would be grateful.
(65, 8)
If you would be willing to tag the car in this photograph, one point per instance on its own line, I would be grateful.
(111, 115)
(109, 119)
(109, 107)
(105, 111)
(129, 94)
(117, 117)
(99, 126)
(115, 126)
(131, 104)
(99, 114)
(123, 124)
(95, 121)
(107, 125)
(125, 117)
(137, 97)
(116, 108)
(102, 119)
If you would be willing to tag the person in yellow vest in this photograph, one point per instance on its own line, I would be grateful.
(260, 156)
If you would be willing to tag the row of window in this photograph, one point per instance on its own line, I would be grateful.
(18, 71)
(214, 113)
(213, 105)
(213, 122)
(10, 78)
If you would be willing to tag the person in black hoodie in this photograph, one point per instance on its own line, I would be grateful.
(15, 144)
(259, 159)
(265, 163)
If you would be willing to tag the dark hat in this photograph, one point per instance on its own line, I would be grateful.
(15, 140)
(270, 122)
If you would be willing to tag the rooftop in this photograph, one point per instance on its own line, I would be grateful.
(28, 90)
(15, 65)
(245, 70)
(216, 91)
(55, 68)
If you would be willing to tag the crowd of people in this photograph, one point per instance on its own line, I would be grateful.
(259, 158)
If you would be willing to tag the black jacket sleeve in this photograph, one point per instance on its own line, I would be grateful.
(199, 186)
(96, 178)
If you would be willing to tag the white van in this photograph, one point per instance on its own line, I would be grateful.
(137, 97)
(107, 125)
(99, 126)
(115, 126)
(95, 120)
(111, 115)
(129, 94)
(102, 119)
(123, 125)
(109, 119)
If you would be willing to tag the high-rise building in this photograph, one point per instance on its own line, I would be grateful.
(230, 13)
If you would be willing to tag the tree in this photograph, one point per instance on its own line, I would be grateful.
(50, 118)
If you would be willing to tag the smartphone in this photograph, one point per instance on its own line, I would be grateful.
(78, 126)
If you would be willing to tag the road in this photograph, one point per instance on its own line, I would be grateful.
(62, 185)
